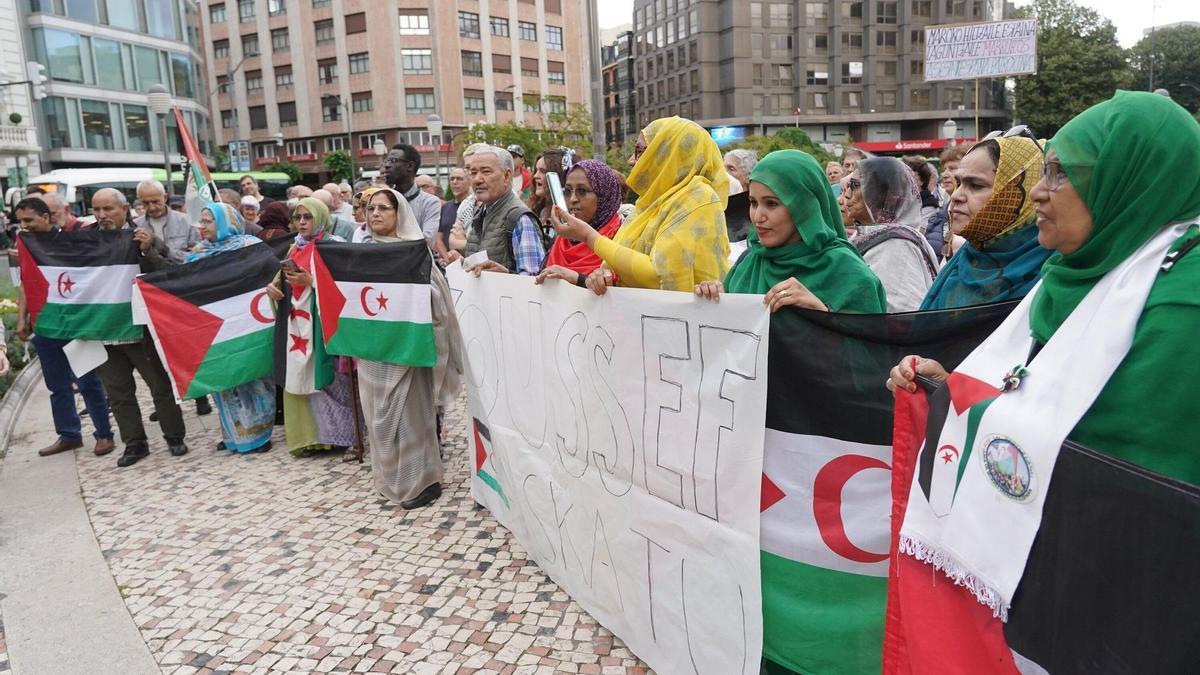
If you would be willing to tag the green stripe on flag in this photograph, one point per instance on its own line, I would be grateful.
(233, 362)
(813, 611)
(492, 483)
(71, 321)
(400, 342)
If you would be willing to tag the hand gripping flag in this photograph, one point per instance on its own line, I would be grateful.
(78, 285)
(211, 320)
(375, 301)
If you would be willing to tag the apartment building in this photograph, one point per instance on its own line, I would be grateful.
(101, 58)
(842, 70)
(616, 58)
(302, 78)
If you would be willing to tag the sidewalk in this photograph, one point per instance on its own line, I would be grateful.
(267, 563)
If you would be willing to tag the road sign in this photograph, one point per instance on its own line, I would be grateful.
(239, 156)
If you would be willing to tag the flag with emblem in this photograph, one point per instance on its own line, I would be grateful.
(211, 320)
(301, 363)
(485, 460)
(375, 301)
(200, 188)
(826, 493)
(78, 285)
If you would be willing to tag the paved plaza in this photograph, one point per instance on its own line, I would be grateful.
(270, 563)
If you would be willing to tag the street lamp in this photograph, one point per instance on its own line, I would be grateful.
(433, 124)
(159, 98)
(949, 130)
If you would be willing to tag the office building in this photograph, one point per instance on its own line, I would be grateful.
(620, 120)
(19, 147)
(843, 71)
(101, 58)
(303, 78)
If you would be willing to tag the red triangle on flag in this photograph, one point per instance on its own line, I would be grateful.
(966, 391)
(771, 494)
(185, 332)
(37, 289)
(480, 447)
(330, 300)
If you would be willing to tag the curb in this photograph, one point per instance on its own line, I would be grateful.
(14, 400)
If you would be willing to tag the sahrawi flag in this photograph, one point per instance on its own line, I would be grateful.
(211, 320)
(78, 284)
(200, 188)
(826, 493)
(375, 301)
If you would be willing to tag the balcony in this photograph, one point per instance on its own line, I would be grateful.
(18, 140)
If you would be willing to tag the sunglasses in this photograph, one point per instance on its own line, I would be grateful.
(1016, 132)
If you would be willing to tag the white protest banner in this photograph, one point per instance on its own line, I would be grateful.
(620, 439)
(974, 50)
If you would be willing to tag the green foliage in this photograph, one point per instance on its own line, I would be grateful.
(572, 129)
(341, 167)
(1079, 64)
(17, 357)
(1176, 53)
(788, 138)
(617, 156)
(292, 170)
(222, 159)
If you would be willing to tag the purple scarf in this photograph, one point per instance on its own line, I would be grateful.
(607, 185)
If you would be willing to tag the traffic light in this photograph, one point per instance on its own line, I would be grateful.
(36, 73)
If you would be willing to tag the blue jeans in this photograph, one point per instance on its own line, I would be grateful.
(56, 371)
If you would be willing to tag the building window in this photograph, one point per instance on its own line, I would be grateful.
(783, 75)
(97, 125)
(554, 38)
(527, 31)
(362, 102)
(331, 109)
(327, 71)
(817, 74)
(250, 44)
(781, 14)
(220, 49)
(886, 100)
(287, 114)
(258, 117)
(556, 104)
(418, 101)
(529, 67)
(852, 41)
(818, 42)
(360, 63)
(417, 61)
(414, 23)
(276, 7)
(531, 103)
(267, 150)
(283, 77)
(324, 31)
(367, 141)
(110, 72)
(501, 63)
(279, 40)
(918, 40)
(555, 71)
(885, 70)
(816, 100)
(472, 63)
(297, 148)
(922, 8)
(919, 98)
(229, 119)
(245, 10)
(756, 74)
(816, 11)
(468, 25)
(852, 10)
(781, 45)
(336, 143)
(916, 68)
(756, 45)
(356, 23)
(851, 100)
(499, 26)
(885, 12)
(852, 72)
(504, 100)
(254, 81)
(473, 102)
(216, 13)
(320, 3)
(885, 40)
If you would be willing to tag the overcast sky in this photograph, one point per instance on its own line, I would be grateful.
(1130, 16)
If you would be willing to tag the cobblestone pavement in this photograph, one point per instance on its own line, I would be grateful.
(270, 563)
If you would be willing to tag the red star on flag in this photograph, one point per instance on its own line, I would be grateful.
(947, 458)
(299, 344)
(68, 285)
(382, 300)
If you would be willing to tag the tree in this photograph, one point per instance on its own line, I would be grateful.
(1176, 61)
(1079, 64)
(292, 170)
(341, 167)
(571, 128)
(617, 156)
(788, 138)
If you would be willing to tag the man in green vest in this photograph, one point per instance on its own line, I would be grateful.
(502, 225)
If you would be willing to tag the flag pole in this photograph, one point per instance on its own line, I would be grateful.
(359, 449)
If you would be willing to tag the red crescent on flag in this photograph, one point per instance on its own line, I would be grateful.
(950, 448)
(827, 505)
(64, 286)
(254, 311)
(362, 297)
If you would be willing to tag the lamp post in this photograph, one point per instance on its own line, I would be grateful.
(433, 124)
(159, 98)
(949, 130)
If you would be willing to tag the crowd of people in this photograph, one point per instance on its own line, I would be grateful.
(864, 235)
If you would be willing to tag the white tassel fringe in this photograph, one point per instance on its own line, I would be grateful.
(956, 573)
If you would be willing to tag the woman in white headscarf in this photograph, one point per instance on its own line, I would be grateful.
(400, 403)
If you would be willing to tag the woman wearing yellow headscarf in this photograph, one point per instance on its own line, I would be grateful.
(677, 236)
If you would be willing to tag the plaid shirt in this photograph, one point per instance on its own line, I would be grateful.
(527, 246)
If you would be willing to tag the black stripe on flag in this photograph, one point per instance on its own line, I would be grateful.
(81, 248)
(281, 245)
(827, 371)
(1110, 585)
(406, 262)
(217, 277)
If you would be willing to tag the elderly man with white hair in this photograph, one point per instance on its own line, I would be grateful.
(172, 232)
(739, 164)
(339, 207)
(339, 225)
(60, 214)
(502, 225)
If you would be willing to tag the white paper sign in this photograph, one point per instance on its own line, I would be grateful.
(84, 356)
(620, 438)
(975, 50)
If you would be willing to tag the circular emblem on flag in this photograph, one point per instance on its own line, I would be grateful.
(1007, 467)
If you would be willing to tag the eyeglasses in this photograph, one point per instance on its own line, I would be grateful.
(637, 151)
(1053, 175)
(581, 193)
(301, 217)
(1016, 132)
(379, 207)
(852, 184)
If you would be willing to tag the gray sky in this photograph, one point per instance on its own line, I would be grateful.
(1130, 16)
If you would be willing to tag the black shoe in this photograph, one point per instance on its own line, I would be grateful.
(133, 454)
(178, 449)
(427, 497)
(203, 407)
(154, 416)
(263, 448)
(221, 445)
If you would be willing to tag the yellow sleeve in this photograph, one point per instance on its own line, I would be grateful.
(633, 269)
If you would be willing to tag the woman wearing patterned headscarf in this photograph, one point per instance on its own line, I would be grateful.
(247, 411)
(993, 210)
(883, 201)
(677, 237)
(593, 192)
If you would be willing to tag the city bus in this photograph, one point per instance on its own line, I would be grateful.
(78, 185)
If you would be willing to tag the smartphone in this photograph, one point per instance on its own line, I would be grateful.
(288, 265)
(556, 191)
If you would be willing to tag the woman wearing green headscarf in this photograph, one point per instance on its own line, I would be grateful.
(798, 254)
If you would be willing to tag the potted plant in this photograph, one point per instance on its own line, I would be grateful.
(15, 118)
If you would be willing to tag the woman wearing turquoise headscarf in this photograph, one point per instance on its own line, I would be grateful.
(246, 412)
(993, 210)
(798, 254)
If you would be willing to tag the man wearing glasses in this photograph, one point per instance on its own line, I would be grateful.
(399, 170)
